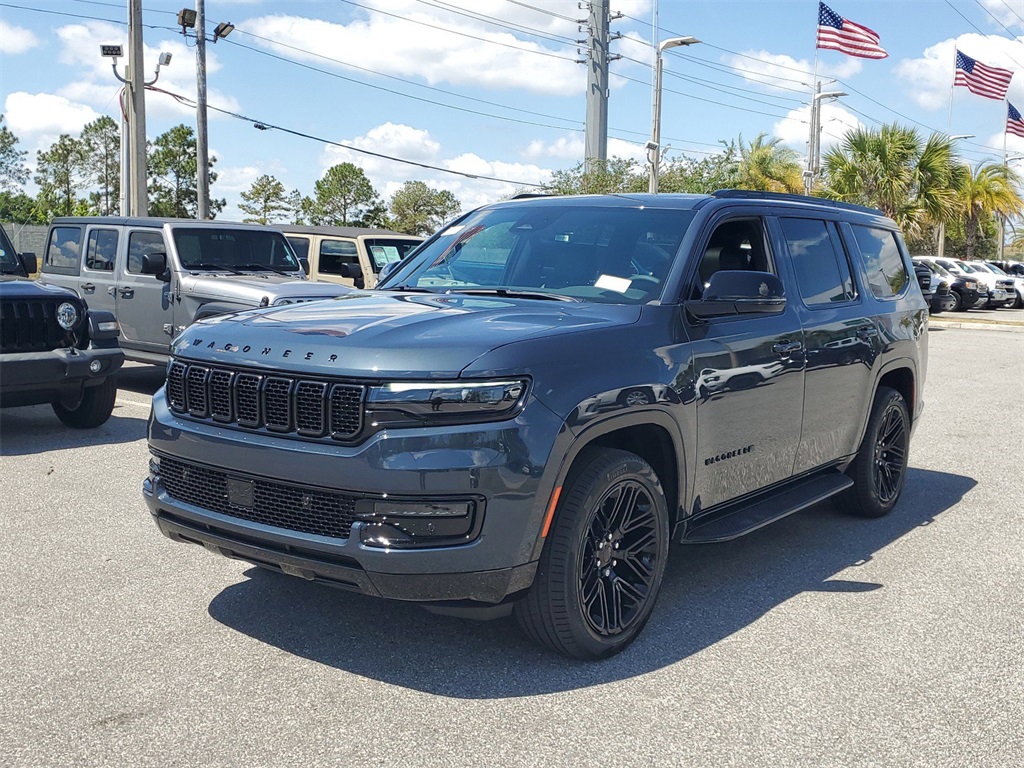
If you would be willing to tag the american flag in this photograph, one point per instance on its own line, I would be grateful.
(980, 79)
(839, 34)
(1014, 123)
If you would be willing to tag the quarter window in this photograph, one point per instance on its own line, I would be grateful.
(101, 250)
(883, 263)
(64, 249)
(821, 269)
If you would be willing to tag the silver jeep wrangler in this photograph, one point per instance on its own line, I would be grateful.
(158, 276)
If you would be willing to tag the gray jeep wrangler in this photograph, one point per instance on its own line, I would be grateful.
(158, 276)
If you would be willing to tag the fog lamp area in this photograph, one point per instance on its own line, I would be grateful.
(416, 524)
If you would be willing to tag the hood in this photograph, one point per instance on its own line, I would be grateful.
(251, 288)
(15, 286)
(383, 335)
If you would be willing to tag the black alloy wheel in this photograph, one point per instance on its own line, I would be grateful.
(880, 467)
(604, 559)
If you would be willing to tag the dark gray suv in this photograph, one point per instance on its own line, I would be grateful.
(545, 396)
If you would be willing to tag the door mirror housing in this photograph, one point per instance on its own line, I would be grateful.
(29, 262)
(156, 264)
(739, 292)
(304, 263)
(386, 270)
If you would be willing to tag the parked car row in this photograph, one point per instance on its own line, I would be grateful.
(958, 285)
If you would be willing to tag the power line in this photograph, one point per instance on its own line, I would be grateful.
(1010, 9)
(80, 16)
(442, 6)
(460, 34)
(544, 11)
(264, 125)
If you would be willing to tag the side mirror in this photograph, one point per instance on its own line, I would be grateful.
(304, 263)
(29, 262)
(386, 270)
(156, 264)
(350, 270)
(739, 292)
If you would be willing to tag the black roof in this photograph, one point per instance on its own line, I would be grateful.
(312, 229)
(154, 221)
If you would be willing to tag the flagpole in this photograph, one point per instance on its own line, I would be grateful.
(1002, 219)
(809, 173)
(952, 85)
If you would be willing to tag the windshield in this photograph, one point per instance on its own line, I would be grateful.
(384, 250)
(9, 263)
(568, 252)
(968, 268)
(938, 269)
(993, 268)
(255, 250)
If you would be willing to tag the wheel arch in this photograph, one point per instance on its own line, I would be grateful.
(652, 435)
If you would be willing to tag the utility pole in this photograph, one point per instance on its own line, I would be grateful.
(596, 136)
(202, 148)
(138, 199)
(814, 142)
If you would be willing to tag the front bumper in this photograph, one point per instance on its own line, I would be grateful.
(28, 378)
(942, 302)
(504, 465)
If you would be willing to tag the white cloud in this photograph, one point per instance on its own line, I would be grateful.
(780, 72)
(482, 55)
(794, 129)
(928, 78)
(1003, 12)
(387, 176)
(572, 148)
(14, 39)
(40, 118)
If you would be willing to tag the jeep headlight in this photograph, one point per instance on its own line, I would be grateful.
(67, 316)
(422, 402)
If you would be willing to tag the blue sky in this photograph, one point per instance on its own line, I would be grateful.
(491, 88)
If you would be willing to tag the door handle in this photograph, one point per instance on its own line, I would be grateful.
(787, 347)
(88, 287)
(126, 293)
(867, 333)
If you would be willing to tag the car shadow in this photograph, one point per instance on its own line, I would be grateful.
(36, 429)
(709, 593)
(144, 379)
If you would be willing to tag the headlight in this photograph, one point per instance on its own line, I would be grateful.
(282, 302)
(67, 316)
(452, 401)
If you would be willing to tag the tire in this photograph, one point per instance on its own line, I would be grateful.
(958, 302)
(880, 467)
(93, 409)
(1018, 302)
(589, 558)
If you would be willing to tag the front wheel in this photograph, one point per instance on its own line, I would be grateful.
(92, 409)
(958, 302)
(880, 467)
(604, 560)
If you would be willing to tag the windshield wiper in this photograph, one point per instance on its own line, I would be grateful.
(265, 268)
(212, 268)
(411, 289)
(514, 293)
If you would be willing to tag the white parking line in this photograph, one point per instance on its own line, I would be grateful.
(121, 400)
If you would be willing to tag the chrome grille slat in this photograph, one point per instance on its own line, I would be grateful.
(306, 408)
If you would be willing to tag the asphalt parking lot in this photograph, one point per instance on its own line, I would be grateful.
(819, 641)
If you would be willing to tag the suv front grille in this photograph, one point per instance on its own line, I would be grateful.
(280, 404)
(293, 507)
(30, 325)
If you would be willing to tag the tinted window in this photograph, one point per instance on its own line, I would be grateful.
(821, 269)
(300, 245)
(883, 264)
(210, 248)
(64, 249)
(140, 243)
(334, 253)
(101, 250)
(9, 263)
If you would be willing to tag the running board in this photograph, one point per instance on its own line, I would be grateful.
(735, 520)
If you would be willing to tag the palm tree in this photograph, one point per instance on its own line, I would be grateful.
(910, 180)
(988, 191)
(767, 166)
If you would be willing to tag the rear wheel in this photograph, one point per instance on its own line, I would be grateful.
(880, 467)
(604, 560)
(92, 409)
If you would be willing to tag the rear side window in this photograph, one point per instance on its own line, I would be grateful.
(822, 272)
(101, 250)
(64, 250)
(334, 253)
(883, 264)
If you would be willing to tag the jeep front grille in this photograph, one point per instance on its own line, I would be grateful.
(276, 403)
(30, 325)
(293, 507)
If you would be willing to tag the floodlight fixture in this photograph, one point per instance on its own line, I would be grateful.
(223, 29)
(164, 60)
(187, 18)
(111, 51)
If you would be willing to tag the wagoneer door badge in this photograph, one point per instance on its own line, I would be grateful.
(728, 455)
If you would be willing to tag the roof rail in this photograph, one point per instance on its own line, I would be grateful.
(782, 196)
(527, 195)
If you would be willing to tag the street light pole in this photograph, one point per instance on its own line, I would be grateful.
(202, 150)
(654, 145)
(814, 144)
(941, 250)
